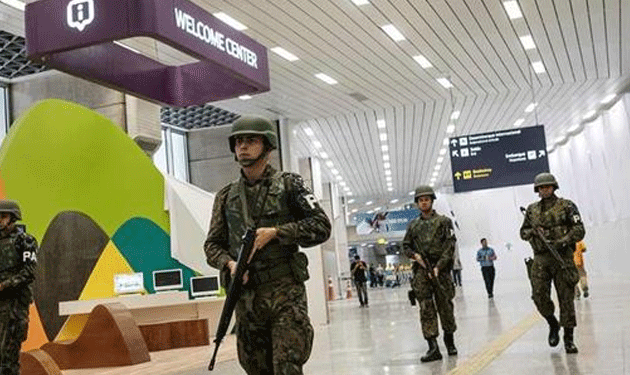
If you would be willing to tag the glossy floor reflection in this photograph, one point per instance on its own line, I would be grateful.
(498, 336)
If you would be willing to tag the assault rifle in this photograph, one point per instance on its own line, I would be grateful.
(234, 292)
(544, 240)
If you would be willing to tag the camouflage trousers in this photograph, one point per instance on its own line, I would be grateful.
(435, 299)
(12, 334)
(274, 332)
(546, 269)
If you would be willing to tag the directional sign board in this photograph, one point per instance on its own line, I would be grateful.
(498, 159)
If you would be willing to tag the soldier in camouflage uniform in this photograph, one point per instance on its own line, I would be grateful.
(558, 221)
(17, 271)
(431, 238)
(274, 332)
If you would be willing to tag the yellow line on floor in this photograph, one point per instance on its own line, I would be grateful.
(485, 356)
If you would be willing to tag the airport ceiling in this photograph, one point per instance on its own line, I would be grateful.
(565, 55)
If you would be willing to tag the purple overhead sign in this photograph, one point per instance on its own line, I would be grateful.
(77, 37)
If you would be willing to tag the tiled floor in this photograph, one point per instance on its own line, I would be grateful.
(498, 336)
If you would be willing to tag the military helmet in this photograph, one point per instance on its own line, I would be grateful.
(424, 190)
(11, 207)
(545, 179)
(249, 125)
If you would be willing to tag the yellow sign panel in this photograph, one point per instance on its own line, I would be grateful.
(467, 175)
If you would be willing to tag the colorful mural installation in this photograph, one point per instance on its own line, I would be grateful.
(94, 201)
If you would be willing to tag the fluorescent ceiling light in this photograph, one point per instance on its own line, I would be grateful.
(15, 3)
(393, 201)
(442, 151)
(342, 183)
(230, 21)
(435, 173)
(377, 208)
(317, 144)
(528, 42)
(609, 99)
(387, 165)
(390, 189)
(445, 82)
(433, 180)
(589, 114)
(309, 132)
(323, 155)
(455, 115)
(360, 2)
(539, 67)
(245, 97)
(531, 107)
(437, 167)
(388, 178)
(450, 129)
(330, 164)
(329, 80)
(426, 64)
(383, 137)
(432, 184)
(445, 141)
(384, 148)
(284, 53)
(351, 201)
(412, 192)
(334, 171)
(349, 193)
(390, 184)
(381, 124)
(519, 122)
(512, 9)
(388, 172)
(440, 159)
(355, 210)
(385, 157)
(368, 203)
(393, 32)
(339, 178)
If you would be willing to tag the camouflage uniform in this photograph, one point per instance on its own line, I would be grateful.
(17, 261)
(274, 333)
(562, 224)
(434, 236)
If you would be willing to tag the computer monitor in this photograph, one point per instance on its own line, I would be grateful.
(167, 280)
(128, 283)
(204, 286)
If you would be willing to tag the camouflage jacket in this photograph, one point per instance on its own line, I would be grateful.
(291, 208)
(560, 221)
(18, 259)
(433, 236)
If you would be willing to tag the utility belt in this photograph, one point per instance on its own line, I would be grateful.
(263, 272)
(263, 276)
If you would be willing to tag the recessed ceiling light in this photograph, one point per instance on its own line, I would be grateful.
(531, 107)
(390, 189)
(519, 122)
(426, 64)
(342, 183)
(450, 129)
(339, 178)
(437, 167)
(512, 9)
(330, 164)
(309, 132)
(435, 174)
(383, 137)
(329, 80)
(589, 114)
(381, 124)
(445, 82)
(351, 201)
(384, 148)
(388, 178)
(440, 159)
(245, 97)
(317, 144)
(608, 99)
(349, 193)
(377, 208)
(388, 172)
(355, 210)
(442, 151)
(284, 53)
(368, 203)
(385, 157)
(432, 184)
(387, 165)
(539, 67)
(393, 32)
(528, 42)
(455, 115)
(445, 141)
(412, 192)
(230, 21)
(360, 2)
(393, 201)
(334, 171)
(323, 155)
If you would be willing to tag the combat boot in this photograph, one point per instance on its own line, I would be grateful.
(450, 344)
(554, 330)
(433, 354)
(569, 346)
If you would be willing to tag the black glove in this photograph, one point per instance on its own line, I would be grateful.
(412, 297)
